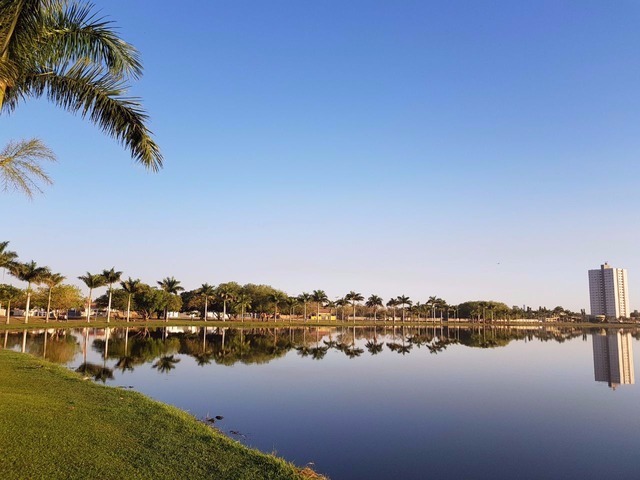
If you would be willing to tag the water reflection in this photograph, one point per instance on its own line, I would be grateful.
(613, 357)
(127, 348)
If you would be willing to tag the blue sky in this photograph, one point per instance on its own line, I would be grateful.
(470, 150)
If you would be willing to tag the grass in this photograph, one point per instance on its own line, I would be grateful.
(54, 425)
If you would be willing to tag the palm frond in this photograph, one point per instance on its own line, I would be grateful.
(20, 167)
(72, 31)
(93, 92)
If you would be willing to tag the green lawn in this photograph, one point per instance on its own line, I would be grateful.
(55, 425)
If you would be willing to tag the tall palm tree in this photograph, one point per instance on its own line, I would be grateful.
(226, 294)
(305, 298)
(110, 277)
(131, 287)
(243, 301)
(63, 50)
(92, 281)
(172, 287)
(207, 291)
(393, 303)
(20, 167)
(277, 298)
(341, 302)
(403, 301)
(320, 297)
(9, 293)
(291, 303)
(374, 301)
(354, 297)
(7, 257)
(31, 273)
(52, 280)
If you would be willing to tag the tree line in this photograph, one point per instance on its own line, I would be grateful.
(230, 300)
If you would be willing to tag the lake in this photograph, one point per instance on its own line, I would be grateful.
(387, 402)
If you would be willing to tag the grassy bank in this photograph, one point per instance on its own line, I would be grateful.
(55, 425)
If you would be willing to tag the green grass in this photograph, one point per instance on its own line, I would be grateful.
(54, 425)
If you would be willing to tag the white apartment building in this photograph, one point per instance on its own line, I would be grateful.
(608, 292)
(613, 358)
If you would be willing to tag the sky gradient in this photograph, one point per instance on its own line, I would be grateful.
(469, 150)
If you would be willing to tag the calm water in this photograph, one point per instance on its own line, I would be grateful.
(389, 403)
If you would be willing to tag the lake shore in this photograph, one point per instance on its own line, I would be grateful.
(54, 424)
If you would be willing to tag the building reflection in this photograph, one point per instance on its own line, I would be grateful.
(613, 358)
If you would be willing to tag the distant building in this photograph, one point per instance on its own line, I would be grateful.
(613, 358)
(608, 292)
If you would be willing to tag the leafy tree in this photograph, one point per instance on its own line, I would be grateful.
(148, 301)
(61, 297)
(20, 167)
(52, 280)
(92, 281)
(64, 51)
(7, 257)
(32, 274)
(110, 277)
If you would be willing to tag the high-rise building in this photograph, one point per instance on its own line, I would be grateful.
(608, 292)
(613, 358)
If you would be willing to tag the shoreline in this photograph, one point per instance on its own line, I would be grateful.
(80, 429)
(18, 323)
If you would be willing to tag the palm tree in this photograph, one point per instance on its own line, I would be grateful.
(403, 300)
(305, 298)
(7, 257)
(9, 293)
(320, 297)
(374, 301)
(52, 280)
(28, 272)
(64, 51)
(226, 294)
(291, 302)
(20, 167)
(276, 298)
(92, 281)
(110, 277)
(354, 297)
(207, 291)
(172, 287)
(393, 303)
(131, 287)
(341, 302)
(243, 301)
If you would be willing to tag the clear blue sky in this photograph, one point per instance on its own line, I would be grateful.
(469, 150)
